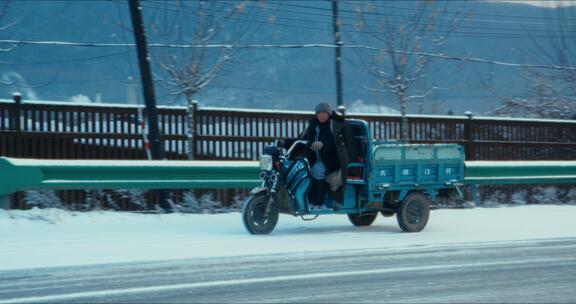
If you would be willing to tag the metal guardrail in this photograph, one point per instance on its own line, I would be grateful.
(520, 172)
(34, 174)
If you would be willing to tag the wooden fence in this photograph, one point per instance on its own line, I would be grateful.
(57, 130)
(241, 134)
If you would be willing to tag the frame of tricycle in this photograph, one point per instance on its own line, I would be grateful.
(383, 177)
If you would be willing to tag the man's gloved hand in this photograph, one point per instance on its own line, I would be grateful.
(279, 143)
(316, 146)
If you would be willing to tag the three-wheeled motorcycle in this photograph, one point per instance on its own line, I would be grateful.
(384, 177)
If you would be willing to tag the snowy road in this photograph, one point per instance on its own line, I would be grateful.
(509, 254)
(525, 271)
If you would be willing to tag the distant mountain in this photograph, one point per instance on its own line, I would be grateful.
(263, 78)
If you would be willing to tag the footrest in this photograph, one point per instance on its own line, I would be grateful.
(355, 181)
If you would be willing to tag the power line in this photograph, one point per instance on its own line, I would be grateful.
(390, 14)
(478, 34)
(467, 34)
(253, 14)
(406, 16)
(67, 60)
(242, 19)
(415, 9)
(123, 80)
(492, 15)
(293, 46)
(461, 33)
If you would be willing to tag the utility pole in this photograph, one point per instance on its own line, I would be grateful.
(157, 151)
(338, 43)
(146, 76)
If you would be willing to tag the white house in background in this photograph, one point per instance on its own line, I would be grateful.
(359, 107)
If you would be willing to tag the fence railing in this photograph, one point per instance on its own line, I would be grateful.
(59, 130)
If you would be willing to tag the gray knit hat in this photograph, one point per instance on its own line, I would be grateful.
(323, 107)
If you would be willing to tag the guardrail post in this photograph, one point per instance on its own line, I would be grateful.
(15, 115)
(468, 145)
(471, 193)
(475, 195)
(342, 110)
(192, 114)
(14, 140)
(5, 202)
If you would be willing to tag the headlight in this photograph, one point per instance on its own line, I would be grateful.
(266, 162)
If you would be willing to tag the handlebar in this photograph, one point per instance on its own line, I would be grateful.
(294, 146)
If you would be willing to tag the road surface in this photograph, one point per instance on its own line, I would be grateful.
(542, 271)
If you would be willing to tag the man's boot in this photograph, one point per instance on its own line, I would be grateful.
(317, 193)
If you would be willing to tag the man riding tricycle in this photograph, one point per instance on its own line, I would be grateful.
(335, 167)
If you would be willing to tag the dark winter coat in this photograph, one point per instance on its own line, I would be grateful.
(335, 137)
(328, 153)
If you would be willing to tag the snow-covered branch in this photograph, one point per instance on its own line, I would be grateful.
(425, 94)
(8, 49)
(9, 25)
(21, 85)
(379, 90)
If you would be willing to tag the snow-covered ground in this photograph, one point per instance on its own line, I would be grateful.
(53, 237)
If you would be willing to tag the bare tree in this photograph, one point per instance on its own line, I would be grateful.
(551, 93)
(186, 72)
(401, 33)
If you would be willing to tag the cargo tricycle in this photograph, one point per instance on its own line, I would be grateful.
(388, 178)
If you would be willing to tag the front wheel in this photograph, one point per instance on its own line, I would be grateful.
(413, 212)
(254, 217)
(363, 219)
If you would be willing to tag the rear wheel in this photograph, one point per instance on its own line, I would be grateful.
(363, 219)
(413, 212)
(254, 214)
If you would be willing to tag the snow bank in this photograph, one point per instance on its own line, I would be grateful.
(54, 237)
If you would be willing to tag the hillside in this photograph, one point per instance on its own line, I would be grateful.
(262, 78)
